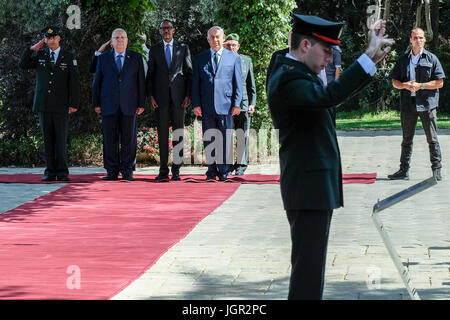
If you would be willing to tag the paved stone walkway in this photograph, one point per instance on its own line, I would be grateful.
(242, 249)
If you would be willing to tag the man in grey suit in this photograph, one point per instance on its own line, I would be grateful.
(242, 120)
(169, 79)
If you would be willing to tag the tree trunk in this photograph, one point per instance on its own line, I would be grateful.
(435, 23)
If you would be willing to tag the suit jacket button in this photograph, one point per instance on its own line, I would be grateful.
(49, 91)
(51, 73)
(49, 82)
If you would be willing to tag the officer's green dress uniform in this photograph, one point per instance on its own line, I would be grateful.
(242, 120)
(311, 174)
(57, 89)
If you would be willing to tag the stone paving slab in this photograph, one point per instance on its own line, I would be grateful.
(242, 249)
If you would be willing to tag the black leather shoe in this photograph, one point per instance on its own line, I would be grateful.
(399, 175)
(437, 174)
(162, 178)
(48, 178)
(223, 177)
(128, 177)
(110, 177)
(210, 178)
(63, 178)
(176, 177)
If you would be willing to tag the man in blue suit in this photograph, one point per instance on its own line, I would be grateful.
(216, 97)
(118, 94)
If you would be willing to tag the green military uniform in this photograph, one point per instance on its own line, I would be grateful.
(311, 175)
(57, 89)
(242, 121)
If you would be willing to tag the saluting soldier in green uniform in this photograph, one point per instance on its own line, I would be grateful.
(242, 120)
(57, 94)
(302, 110)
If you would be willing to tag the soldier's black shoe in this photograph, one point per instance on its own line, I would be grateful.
(110, 177)
(162, 178)
(437, 174)
(63, 178)
(176, 176)
(48, 178)
(399, 175)
(128, 177)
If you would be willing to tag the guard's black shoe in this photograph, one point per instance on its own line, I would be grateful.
(110, 177)
(210, 178)
(63, 178)
(437, 174)
(48, 178)
(399, 175)
(222, 177)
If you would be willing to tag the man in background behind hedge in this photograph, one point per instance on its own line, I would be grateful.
(57, 94)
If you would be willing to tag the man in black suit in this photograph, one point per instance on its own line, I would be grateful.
(118, 94)
(169, 78)
(57, 95)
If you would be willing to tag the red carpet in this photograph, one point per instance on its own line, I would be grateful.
(101, 236)
(198, 178)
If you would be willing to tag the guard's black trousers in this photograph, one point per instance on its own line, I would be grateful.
(309, 235)
(429, 123)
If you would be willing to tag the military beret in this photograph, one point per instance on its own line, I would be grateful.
(233, 36)
(51, 32)
(322, 29)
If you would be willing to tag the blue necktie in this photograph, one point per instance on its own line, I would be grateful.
(215, 62)
(168, 55)
(119, 62)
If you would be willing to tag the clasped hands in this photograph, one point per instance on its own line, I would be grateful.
(412, 86)
(98, 110)
(234, 111)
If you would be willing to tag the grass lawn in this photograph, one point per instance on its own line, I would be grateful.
(386, 120)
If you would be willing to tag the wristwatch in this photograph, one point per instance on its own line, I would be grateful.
(422, 86)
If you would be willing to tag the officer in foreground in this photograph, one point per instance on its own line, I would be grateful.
(302, 110)
(57, 94)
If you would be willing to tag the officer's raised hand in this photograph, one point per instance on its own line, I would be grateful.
(38, 45)
(375, 49)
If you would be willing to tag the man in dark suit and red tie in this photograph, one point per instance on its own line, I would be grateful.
(217, 97)
(118, 94)
(169, 79)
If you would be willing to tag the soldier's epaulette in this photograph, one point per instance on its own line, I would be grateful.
(288, 67)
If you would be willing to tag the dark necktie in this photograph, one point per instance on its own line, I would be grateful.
(215, 62)
(119, 62)
(168, 55)
(52, 58)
